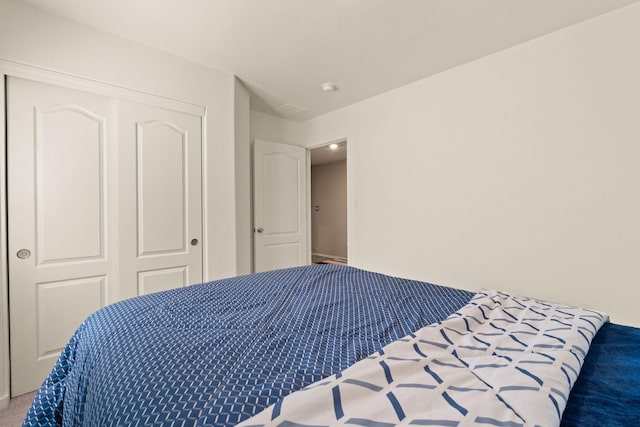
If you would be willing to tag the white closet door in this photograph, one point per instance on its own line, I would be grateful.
(104, 203)
(61, 217)
(160, 199)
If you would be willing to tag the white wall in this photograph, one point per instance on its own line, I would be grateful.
(329, 222)
(244, 232)
(518, 171)
(32, 37)
(275, 129)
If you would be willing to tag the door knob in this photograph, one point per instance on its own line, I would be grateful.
(24, 253)
(259, 229)
(194, 242)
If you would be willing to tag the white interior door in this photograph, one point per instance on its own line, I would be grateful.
(61, 217)
(280, 212)
(160, 199)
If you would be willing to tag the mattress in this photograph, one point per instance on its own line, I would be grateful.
(219, 353)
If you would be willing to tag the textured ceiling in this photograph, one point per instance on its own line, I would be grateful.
(283, 50)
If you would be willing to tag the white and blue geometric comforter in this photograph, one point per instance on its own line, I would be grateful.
(501, 360)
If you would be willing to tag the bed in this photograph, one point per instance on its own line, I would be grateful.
(231, 351)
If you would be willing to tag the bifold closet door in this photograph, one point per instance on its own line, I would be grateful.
(61, 216)
(104, 203)
(160, 199)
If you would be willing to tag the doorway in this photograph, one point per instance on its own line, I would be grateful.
(328, 176)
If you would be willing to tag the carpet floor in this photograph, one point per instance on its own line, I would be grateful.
(18, 407)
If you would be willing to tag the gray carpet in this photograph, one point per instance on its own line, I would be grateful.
(14, 414)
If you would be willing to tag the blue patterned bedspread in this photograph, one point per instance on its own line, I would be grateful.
(220, 352)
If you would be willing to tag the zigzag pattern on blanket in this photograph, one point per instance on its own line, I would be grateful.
(501, 360)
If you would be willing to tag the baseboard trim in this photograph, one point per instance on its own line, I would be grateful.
(4, 401)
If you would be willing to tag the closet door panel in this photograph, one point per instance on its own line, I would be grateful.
(61, 218)
(162, 187)
(161, 193)
(70, 195)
